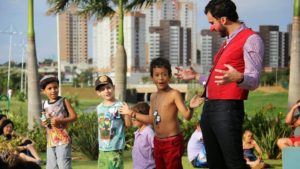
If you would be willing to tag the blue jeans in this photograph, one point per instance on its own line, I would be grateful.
(59, 157)
(221, 124)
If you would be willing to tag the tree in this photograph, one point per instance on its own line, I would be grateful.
(294, 80)
(85, 78)
(101, 9)
(34, 99)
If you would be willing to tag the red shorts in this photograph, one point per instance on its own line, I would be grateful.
(294, 139)
(168, 152)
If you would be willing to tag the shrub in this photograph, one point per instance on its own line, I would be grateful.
(84, 134)
(38, 135)
(267, 127)
(188, 127)
(21, 96)
(129, 137)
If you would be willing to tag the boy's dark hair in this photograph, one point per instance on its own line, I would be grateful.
(142, 107)
(160, 63)
(47, 79)
(220, 8)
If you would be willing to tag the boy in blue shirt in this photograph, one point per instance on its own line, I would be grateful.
(111, 126)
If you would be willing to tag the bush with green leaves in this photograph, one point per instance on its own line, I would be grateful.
(38, 134)
(84, 132)
(267, 127)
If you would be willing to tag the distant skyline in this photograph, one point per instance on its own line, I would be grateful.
(14, 12)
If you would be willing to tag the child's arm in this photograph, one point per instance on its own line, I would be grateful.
(257, 148)
(71, 118)
(187, 112)
(297, 123)
(127, 120)
(125, 110)
(289, 117)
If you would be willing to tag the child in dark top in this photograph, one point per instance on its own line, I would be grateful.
(58, 113)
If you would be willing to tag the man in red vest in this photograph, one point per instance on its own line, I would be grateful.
(236, 69)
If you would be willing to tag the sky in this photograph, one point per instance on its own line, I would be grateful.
(13, 13)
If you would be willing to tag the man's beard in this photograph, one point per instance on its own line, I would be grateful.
(223, 32)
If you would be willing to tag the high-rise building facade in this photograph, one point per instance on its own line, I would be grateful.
(105, 36)
(276, 46)
(210, 43)
(184, 11)
(168, 37)
(73, 34)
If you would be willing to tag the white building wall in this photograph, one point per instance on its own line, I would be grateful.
(154, 46)
(206, 50)
(141, 43)
(274, 49)
(105, 42)
(174, 45)
(102, 44)
(129, 39)
(183, 10)
(283, 49)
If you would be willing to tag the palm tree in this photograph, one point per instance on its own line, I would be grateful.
(294, 82)
(101, 9)
(34, 100)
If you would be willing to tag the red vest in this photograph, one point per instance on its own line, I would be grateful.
(231, 55)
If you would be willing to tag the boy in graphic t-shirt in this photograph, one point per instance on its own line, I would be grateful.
(111, 126)
(58, 112)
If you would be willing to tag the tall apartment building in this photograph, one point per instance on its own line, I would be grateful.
(105, 34)
(276, 46)
(289, 32)
(168, 41)
(184, 11)
(210, 43)
(73, 45)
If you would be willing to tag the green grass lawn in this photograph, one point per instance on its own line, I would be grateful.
(79, 162)
(256, 100)
(88, 100)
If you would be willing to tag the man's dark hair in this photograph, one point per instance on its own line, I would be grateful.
(221, 8)
(160, 63)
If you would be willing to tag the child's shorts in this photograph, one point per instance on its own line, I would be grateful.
(293, 140)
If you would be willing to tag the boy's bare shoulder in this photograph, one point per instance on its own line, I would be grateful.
(153, 95)
(174, 92)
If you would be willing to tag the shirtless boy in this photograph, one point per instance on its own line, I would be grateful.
(164, 107)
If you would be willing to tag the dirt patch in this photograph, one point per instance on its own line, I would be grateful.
(271, 89)
(82, 93)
